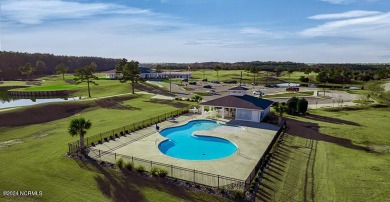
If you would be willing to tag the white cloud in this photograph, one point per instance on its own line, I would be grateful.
(35, 12)
(345, 15)
(338, 1)
(142, 34)
(375, 28)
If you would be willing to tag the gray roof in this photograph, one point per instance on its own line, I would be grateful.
(238, 88)
(246, 102)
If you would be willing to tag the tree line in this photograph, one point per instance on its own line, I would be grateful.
(45, 64)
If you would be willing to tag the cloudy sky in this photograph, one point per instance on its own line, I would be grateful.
(353, 31)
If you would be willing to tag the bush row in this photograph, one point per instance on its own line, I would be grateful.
(129, 166)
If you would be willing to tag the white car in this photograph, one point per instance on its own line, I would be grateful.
(257, 92)
(212, 92)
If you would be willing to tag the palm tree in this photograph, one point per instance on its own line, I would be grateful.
(280, 108)
(79, 126)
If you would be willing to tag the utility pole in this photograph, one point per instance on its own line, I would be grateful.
(241, 78)
(170, 82)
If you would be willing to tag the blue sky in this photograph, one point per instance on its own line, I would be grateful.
(311, 31)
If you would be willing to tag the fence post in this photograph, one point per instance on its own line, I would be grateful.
(171, 171)
(218, 181)
(194, 175)
(132, 159)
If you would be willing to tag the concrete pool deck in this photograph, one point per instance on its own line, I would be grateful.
(252, 140)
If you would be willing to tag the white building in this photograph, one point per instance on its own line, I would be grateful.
(239, 106)
(149, 74)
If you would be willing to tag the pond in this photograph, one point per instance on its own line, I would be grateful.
(7, 101)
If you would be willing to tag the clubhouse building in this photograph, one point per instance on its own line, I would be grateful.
(238, 106)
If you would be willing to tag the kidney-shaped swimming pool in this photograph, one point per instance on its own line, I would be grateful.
(183, 143)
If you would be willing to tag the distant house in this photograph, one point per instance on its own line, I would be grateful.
(147, 73)
(239, 106)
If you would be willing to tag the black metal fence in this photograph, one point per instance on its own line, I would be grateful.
(265, 157)
(115, 133)
(192, 175)
(186, 174)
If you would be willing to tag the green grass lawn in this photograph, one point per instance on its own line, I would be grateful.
(325, 170)
(38, 161)
(297, 94)
(226, 75)
(294, 77)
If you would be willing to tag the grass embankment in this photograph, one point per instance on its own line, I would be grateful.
(332, 156)
(52, 83)
(297, 94)
(33, 156)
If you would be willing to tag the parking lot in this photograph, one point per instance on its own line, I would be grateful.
(332, 97)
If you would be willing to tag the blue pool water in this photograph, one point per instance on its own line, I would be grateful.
(183, 144)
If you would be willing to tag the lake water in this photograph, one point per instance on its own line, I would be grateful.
(7, 101)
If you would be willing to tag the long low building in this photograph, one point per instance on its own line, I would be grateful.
(238, 105)
(147, 73)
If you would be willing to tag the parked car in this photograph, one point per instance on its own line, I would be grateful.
(257, 92)
(185, 80)
(231, 82)
(216, 82)
(204, 80)
(212, 92)
(192, 83)
(207, 86)
(294, 89)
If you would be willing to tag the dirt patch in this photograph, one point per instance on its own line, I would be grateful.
(151, 88)
(115, 103)
(169, 102)
(10, 143)
(40, 114)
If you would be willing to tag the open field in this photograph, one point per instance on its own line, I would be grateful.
(33, 155)
(332, 156)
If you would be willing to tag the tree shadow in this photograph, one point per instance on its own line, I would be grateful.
(125, 186)
(310, 130)
(330, 120)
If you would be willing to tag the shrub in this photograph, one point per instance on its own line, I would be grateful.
(154, 171)
(140, 168)
(119, 163)
(292, 105)
(160, 172)
(238, 194)
(100, 142)
(116, 135)
(129, 166)
(122, 133)
(302, 105)
(93, 144)
(126, 131)
(106, 139)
